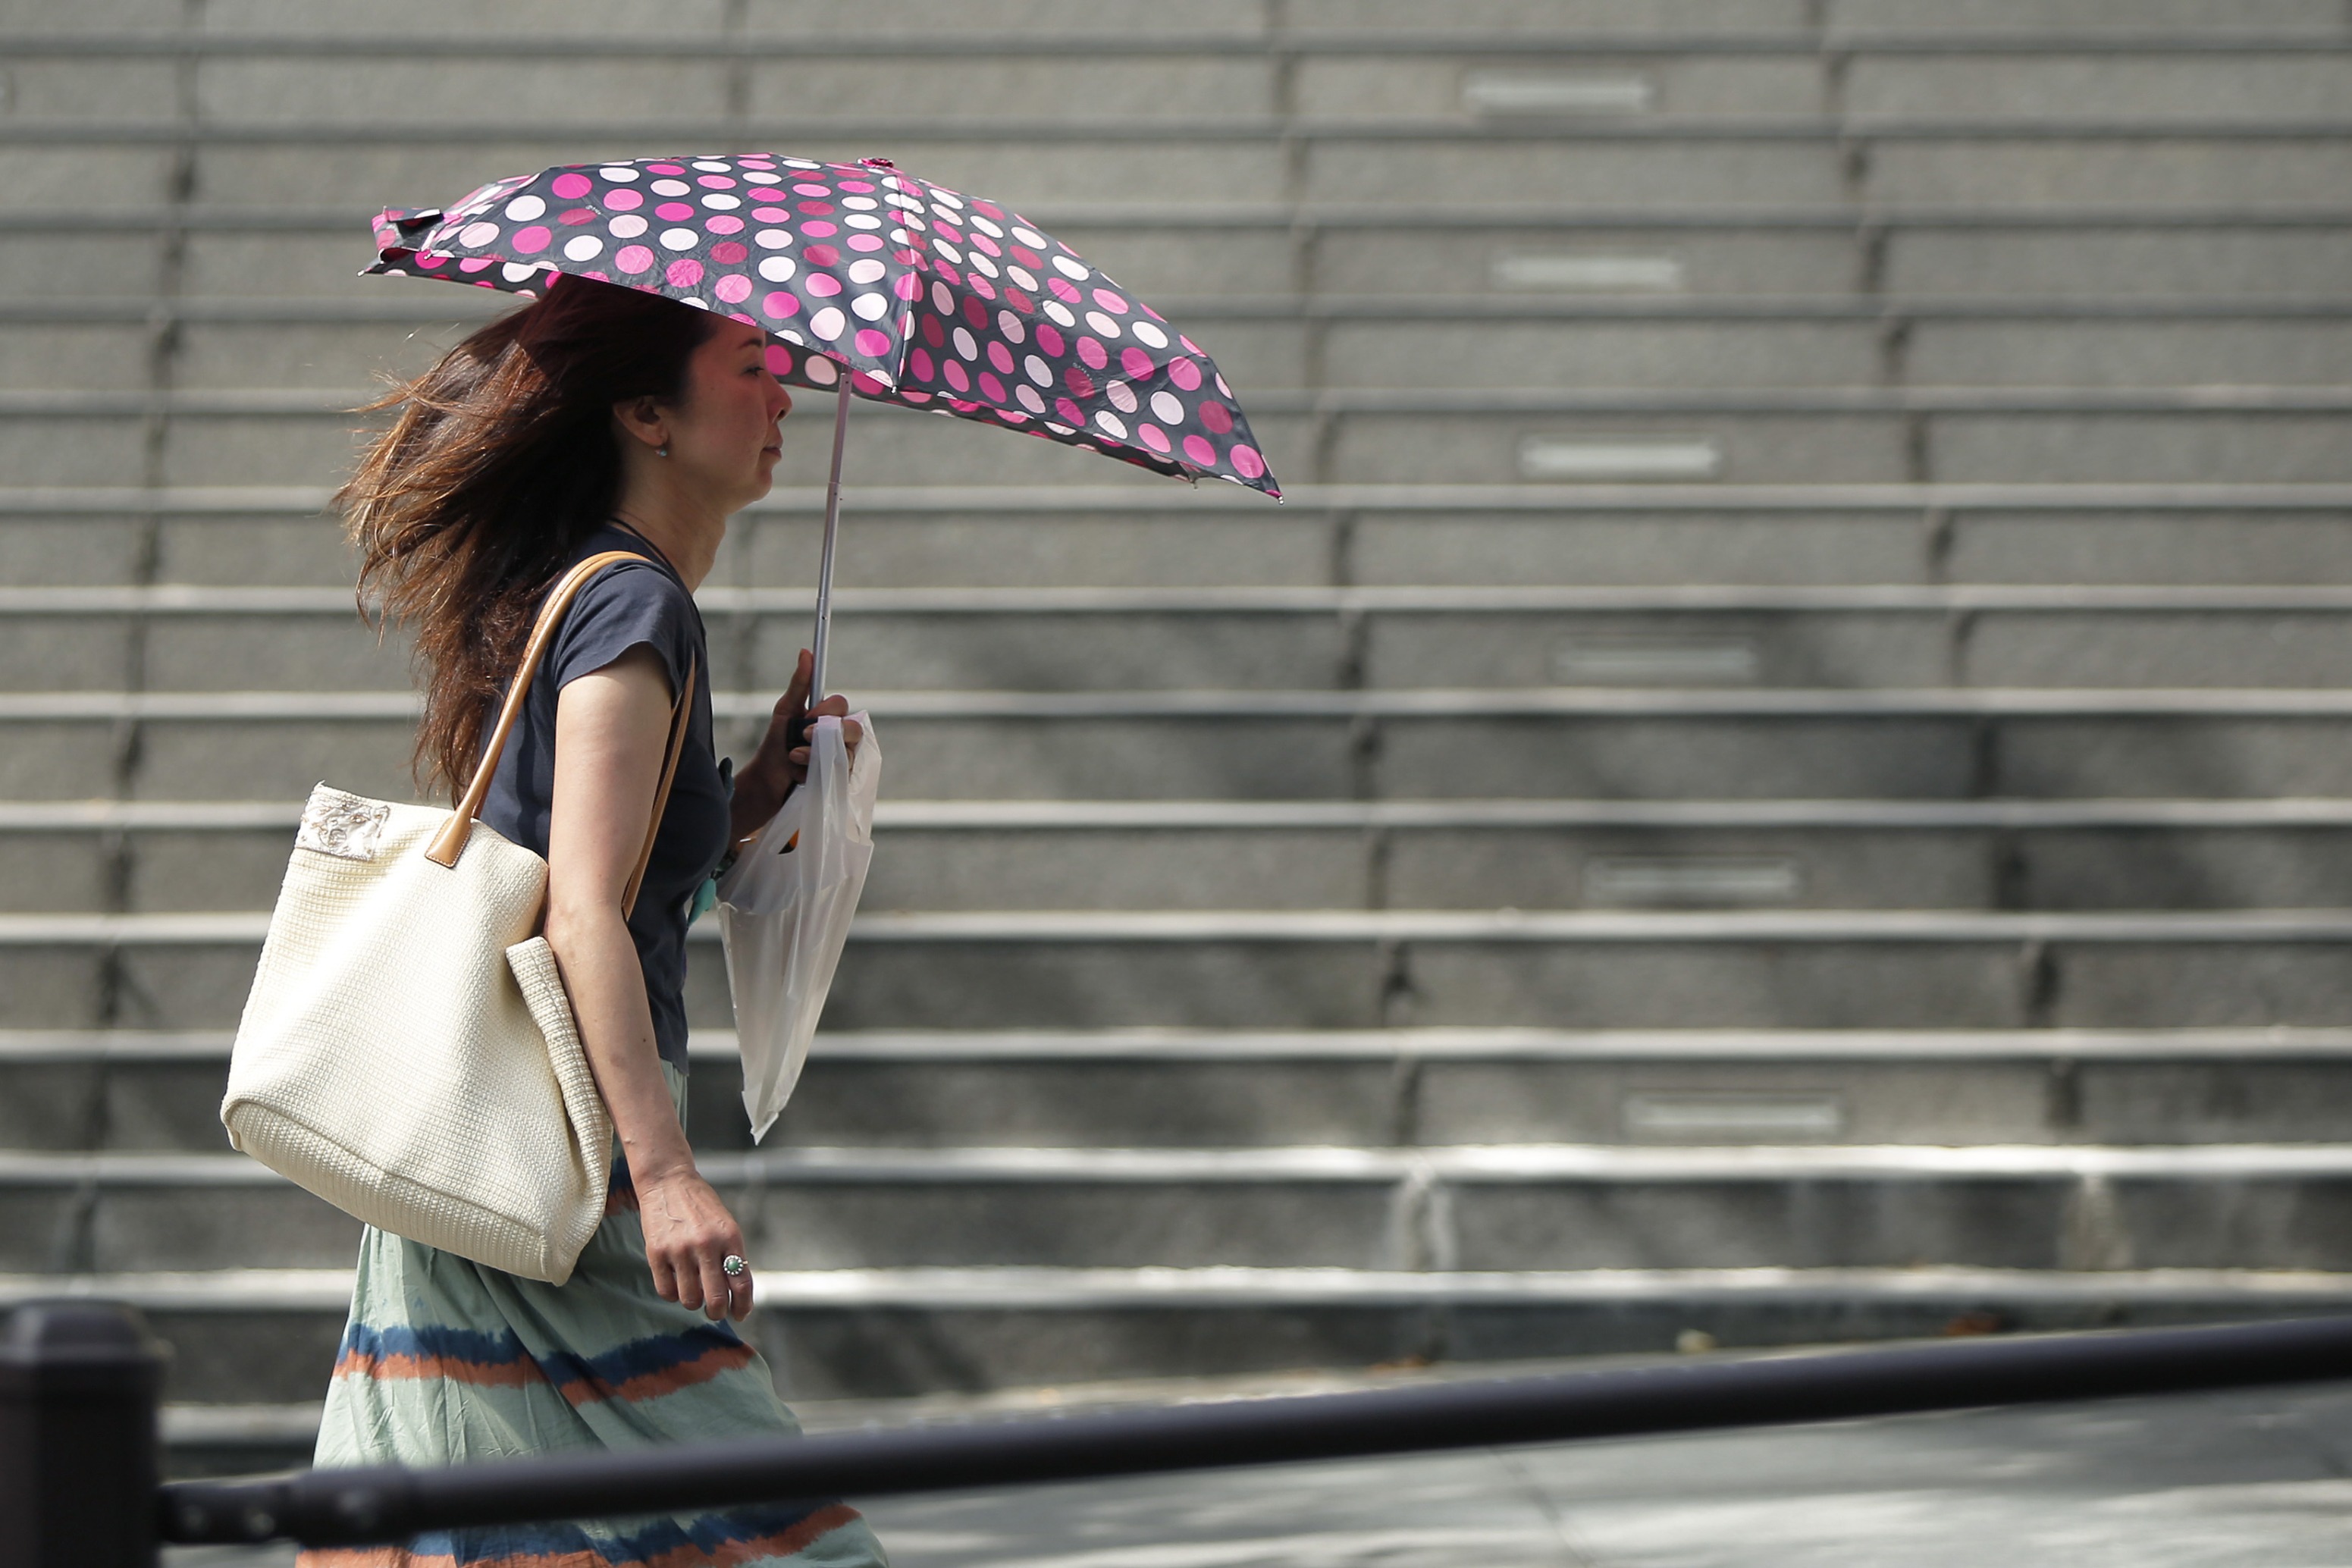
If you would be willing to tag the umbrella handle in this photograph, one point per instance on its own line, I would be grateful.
(824, 563)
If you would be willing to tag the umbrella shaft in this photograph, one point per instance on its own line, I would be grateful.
(831, 528)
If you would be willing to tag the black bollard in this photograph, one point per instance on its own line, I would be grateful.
(78, 1382)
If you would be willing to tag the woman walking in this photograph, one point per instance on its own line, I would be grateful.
(596, 419)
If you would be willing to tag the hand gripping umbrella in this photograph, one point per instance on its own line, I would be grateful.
(866, 280)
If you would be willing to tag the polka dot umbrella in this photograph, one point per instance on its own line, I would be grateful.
(867, 281)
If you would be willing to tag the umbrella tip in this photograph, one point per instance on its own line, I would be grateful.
(878, 162)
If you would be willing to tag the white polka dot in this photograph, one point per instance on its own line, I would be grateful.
(1222, 390)
(671, 187)
(773, 239)
(619, 173)
(965, 346)
(1150, 335)
(516, 272)
(1061, 430)
(980, 263)
(697, 300)
(945, 200)
(870, 307)
(1022, 275)
(522, 209)
(709, 167)
(859, 204)
(1102, 323)
(1121, 395)
(775, 269)
(1068, 267)
(628, 225)
(799, 163)
(1011, 326)
(476, 235)
(719, 201)
(904, 202)
(950, 251)
(582, 247)
(1060, 312)
(790, 336)
(1166, 408)
(863, 220)
(1111, 427)
(828, 323)
(680, 239)
(1029, 399)
(941, 300)
(818, 368)
(986, 228)
(1038, 370)
(1029, 236)
(901, 236)
(866, 271)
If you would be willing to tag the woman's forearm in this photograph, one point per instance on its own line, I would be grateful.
(616, 1028)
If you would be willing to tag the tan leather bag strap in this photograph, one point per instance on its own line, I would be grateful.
(450, 842)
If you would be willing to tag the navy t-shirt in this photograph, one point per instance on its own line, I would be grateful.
(626, 605)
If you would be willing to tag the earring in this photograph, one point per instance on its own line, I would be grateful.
(662, 450)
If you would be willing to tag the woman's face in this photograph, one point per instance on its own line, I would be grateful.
(722, 432)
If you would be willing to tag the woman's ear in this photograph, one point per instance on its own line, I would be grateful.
(642, 419)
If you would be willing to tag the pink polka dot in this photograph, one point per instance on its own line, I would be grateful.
(1197, 448)
(857, 187)
(980, 286)
(987, 209)
(739, 316)
(729, 253)
(1070, 413)
(992, 388)
(674, 212)
(1110, 301)
(1216, 416)
(822, 284)
(986, 245)
(907, 285)
(1247, 463)
(781, 304)
(949, 273)
(975, 312)
(872, 343)
(632, 258)
(576, 217)
(1135, 362)
(715, 182)
(934, 333)
(813, 190)
(624, 201)
(666, 168)
(817, 228)
(1153, 436)
(1027, 257)
(1190, 346)
(1001, 357)
(1079, 381)
(816, 209)
(684, 273)
(953, 374)
(866, 384)
(867, 242)
(779, 360)
(821, 256)
(599, 276)
(431, 260)
(1063, 289)
(734, 289)
(725, 223)
(1185, 373)
(1049, 339)
(769, 215)
(924, 369)
(1093, 352)
(571, 187)
(531, 241)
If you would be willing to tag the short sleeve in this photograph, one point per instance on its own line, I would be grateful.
(625, 604)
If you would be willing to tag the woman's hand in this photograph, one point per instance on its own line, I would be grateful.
(689, 1236)
(782, 762)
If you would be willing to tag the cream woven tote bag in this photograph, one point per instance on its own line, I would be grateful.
(408, 1051)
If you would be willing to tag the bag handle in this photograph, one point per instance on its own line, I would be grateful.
(450, 842)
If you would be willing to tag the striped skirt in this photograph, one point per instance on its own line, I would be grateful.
(447, 1362)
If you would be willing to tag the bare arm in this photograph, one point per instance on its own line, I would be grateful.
(610, 730)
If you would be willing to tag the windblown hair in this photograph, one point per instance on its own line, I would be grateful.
(502, 460)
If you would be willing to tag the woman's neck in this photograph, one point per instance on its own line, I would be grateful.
(687, 538)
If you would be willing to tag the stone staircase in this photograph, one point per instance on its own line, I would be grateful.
(1781, 775)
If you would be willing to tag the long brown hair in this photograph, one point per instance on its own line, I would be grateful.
(502, 460)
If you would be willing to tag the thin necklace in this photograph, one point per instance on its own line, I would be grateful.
(627, 527)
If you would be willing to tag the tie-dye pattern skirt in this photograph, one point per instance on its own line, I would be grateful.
(446, 1362)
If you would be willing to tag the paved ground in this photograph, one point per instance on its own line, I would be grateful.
(2255, 1479)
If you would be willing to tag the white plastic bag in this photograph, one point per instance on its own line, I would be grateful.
(784, 909)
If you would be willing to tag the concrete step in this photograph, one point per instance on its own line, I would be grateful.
(260, 1336)
(1241, 249)
(1478, 1208)
(1559, 742)
(167, 856)
(133, 1091)
(1353, 969)
(1150, 535)
(193, 637)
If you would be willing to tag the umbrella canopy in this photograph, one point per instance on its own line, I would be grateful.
(923, 296)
